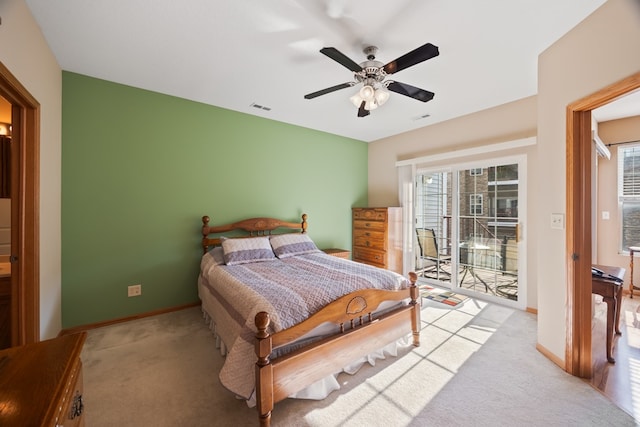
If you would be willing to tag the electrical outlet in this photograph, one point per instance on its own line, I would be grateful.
(134, 290)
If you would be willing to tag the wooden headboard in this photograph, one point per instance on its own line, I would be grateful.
(250, 228)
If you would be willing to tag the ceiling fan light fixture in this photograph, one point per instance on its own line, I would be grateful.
(367, 92)
(356, 99)
(371, 105)
(382, 96)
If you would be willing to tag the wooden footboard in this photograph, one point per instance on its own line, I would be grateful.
(360, 334)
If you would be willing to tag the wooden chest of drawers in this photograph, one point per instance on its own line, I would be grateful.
(377, 237)
(41, 383)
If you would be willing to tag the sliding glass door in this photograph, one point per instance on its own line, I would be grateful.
(468, 227)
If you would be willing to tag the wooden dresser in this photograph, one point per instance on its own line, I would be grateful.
(41, 383)
(377, 237)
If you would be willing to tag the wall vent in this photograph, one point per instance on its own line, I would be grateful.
(260, 107)
(423, 116)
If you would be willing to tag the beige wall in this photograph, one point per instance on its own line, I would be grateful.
(27, 56)
(608, 239)
(599, 51)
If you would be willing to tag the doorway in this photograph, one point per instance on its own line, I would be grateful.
(24, 193)
(578, 255)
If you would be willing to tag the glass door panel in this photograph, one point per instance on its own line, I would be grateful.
(467, 229)
(433, 226)
(488, 230)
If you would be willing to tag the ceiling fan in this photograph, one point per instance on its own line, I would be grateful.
(372, 74)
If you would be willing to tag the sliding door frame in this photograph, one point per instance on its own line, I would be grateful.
(454, 167)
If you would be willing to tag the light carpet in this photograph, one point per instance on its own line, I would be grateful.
(477, 366)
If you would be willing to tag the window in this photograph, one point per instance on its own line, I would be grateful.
(629, 194)
(475, 172)
(475, 204)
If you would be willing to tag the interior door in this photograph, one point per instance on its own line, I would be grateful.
(5, 224)
(25, 223)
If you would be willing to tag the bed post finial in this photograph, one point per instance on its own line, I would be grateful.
(304, 223)
(205, 225)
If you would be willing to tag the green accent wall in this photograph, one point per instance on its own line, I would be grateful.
(140, 169)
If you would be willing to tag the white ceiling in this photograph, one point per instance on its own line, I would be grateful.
(627, 106)
(233, 54)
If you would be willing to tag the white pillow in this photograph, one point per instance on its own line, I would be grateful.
(245, 250)
(291, 244)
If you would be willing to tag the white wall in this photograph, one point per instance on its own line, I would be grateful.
(26, 54)
(600, 51)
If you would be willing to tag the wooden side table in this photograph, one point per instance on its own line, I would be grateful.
(340, 253)
(632, 249)
(611, 292)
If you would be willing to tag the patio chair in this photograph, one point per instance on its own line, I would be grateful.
(431, 257)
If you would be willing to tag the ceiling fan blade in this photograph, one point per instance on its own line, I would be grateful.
(341, 58)
(411, 91)
(362, 112)
(329, 90)
(416, 56)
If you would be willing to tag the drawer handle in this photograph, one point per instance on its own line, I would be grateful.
(367, 225)
(368, 243)
(367, 234)
(77, 407)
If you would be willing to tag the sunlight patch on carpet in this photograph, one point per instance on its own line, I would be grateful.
(392, 396)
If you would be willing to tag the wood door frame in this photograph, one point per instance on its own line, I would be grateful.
(25, 210)
(578, 236)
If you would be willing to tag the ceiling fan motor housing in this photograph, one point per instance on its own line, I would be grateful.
(370, 52)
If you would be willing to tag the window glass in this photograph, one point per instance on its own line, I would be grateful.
(629, 194)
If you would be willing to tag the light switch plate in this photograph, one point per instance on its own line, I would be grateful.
(557, 221)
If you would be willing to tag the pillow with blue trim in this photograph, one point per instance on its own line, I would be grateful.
(246, 250)
(288, 245)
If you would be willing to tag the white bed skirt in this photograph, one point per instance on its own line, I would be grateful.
(322, 388)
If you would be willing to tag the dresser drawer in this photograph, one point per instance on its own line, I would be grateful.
(370, 214)
(368, 233)
(369, 256)
(369, 242)
(369, 225)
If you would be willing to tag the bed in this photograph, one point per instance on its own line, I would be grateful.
(288, 316)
